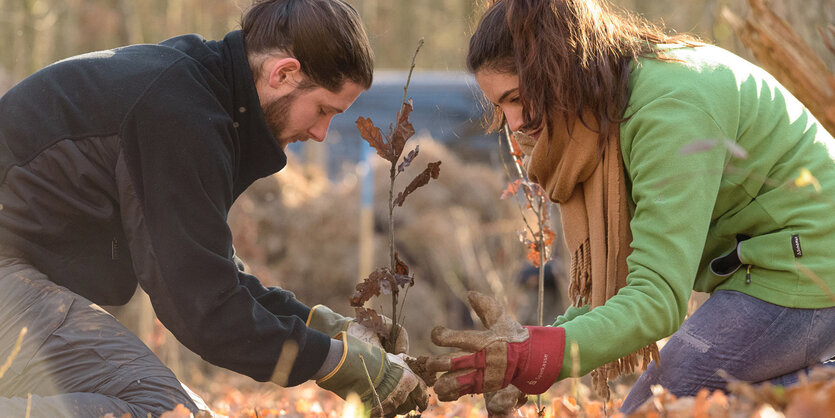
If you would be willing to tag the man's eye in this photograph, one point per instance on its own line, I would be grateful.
(322, 111)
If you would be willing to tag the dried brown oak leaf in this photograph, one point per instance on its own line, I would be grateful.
(370, 319)
(432, 171)
(395, 281)
(400, 267)
(402, 132)
(369, 287)
(389, 147)
(374, 137)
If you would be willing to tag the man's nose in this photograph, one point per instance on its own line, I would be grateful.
(319, 131)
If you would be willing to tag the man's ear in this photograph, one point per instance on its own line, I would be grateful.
(283, 72)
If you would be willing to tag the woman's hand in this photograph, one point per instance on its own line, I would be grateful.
(506, 353)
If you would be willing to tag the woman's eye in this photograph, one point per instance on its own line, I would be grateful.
(515, 100)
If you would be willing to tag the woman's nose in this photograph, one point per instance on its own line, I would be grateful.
(514, 120)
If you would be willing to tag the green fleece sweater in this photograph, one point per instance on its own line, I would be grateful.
(712, 148)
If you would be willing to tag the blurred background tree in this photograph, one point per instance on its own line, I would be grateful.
(38, 32)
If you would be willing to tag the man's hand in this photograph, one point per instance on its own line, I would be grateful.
(395, 387)
(528, 357)
(325, 320)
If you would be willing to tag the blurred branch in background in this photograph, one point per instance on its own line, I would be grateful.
(789, 59)
(38, 32)
(702, 17)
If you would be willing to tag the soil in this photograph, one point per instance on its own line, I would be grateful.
(418, 365)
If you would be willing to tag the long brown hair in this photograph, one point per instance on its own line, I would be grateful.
(570, 55)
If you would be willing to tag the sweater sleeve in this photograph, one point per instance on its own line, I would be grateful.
(675, 157)
(277, 300)
(175, 177)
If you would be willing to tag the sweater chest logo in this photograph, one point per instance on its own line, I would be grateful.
(798, 252)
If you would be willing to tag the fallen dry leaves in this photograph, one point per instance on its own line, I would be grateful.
(238, 397)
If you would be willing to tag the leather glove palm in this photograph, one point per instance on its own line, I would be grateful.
(398, 388)
(506, 353)
(323, 319)
(503, 402)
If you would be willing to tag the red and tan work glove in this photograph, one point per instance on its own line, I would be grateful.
(529, 358)
(323, 319)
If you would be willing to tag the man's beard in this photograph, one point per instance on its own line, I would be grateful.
(276, 114)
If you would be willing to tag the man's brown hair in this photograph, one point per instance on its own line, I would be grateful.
(326, 36)
(570, 55)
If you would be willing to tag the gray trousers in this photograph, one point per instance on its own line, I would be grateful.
(75, 359)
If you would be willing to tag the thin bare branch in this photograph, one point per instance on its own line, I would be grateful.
(371, 384)
(393, 175)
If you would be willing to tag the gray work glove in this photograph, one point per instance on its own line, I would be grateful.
(398, 390)
(323, 319)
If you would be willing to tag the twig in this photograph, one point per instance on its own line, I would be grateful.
(14, 353)
(541, 244)
(507, 135)
(402, 305)
(392, 176)
(409, 78)
(536, 201)
(535, 206)
(371, 384)
(507, 171)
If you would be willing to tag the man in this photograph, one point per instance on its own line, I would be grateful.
(119, 167)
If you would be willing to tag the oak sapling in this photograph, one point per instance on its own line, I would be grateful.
(538, 241)
(389, 280)
(539, 251)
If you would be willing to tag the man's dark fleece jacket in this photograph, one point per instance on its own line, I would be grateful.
(120, 167)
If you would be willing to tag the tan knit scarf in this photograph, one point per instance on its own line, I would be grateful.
(589, 186)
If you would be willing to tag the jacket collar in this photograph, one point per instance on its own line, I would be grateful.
(260, 153)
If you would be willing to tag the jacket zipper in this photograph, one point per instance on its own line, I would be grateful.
(114, 249)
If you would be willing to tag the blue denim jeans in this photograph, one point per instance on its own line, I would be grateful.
(751, 340)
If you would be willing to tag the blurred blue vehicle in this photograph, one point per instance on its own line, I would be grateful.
(448, 106)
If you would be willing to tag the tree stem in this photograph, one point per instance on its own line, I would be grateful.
(392, 262)
(395, 327)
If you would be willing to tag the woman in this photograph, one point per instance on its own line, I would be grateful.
(678, 166)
